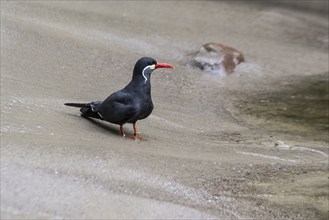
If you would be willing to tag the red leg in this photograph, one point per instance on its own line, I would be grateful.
(135, 130)
(136, 133)
(122, 131)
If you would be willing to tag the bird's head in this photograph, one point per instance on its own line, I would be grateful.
(146, 65)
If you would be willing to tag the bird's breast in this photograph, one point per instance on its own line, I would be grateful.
(146, 110)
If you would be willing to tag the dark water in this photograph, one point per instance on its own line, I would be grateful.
(300, 106)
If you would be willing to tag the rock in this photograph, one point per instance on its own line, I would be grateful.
(216, 59)
(281, 144)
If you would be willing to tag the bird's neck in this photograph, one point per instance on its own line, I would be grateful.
(140, 83)
(141, 79)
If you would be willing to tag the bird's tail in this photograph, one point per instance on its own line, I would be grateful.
(78, 105)
(87, 109)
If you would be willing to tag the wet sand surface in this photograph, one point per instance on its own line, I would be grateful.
(253, 144)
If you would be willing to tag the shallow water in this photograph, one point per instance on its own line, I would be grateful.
(300, 107)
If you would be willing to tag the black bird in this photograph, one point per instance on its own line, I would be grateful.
(130, 104)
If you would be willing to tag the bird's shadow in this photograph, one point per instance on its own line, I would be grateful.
(106, 126)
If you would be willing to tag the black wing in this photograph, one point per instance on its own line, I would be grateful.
(118, 108)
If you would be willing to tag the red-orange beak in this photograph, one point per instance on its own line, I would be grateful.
(163, 65)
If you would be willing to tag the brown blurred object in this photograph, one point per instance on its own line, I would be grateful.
(216, 58)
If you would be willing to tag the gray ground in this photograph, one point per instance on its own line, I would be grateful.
(250, 145)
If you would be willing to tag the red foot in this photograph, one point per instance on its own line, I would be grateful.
(136, 134)
(135, 138)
